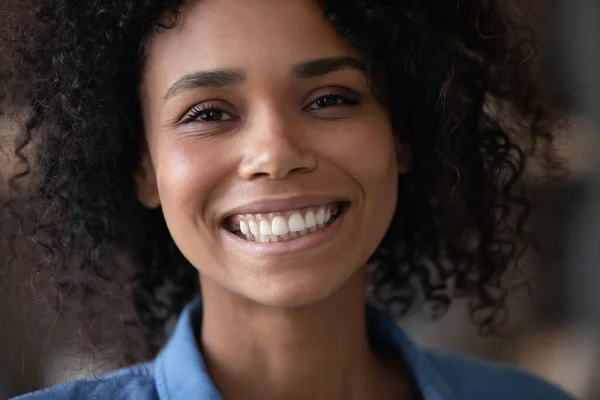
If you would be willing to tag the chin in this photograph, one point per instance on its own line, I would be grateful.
(296, 291)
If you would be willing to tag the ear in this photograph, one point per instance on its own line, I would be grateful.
(145, 180)
(403, 157)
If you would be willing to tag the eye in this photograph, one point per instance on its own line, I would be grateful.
(206, 113)
(332, 100)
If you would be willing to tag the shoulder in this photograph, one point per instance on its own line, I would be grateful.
(471, 378)
(135, 382)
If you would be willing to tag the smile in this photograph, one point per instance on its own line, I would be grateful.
(283, 226)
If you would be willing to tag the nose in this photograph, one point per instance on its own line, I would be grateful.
(274, 150)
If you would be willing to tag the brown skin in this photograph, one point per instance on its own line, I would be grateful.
(278, 326)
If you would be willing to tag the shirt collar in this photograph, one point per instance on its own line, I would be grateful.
(181, 373)
(382, 327)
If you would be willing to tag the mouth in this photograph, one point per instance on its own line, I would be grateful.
(284, 226)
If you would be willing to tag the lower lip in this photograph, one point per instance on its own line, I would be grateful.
(300, 245)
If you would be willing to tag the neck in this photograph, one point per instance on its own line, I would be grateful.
(254, 351)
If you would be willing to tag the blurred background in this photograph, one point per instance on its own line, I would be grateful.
(554, 326)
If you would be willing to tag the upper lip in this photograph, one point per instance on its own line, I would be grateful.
(283, 204)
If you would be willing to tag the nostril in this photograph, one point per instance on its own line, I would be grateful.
(261, 175)
(302, 170)
(276, 163)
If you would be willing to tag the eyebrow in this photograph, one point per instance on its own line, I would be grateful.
(226, 77)
(215, 78)
(323, 66)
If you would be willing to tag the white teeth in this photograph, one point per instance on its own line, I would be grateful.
(279, 226)
(320, 217)
(254, 229)
(244, 227)
(265, 228)
(296, 223)
(310, 220)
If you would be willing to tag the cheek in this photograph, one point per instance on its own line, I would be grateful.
(186, 176)
(367, 153)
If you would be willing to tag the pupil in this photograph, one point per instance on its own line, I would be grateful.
(327, 101)
(211, 115)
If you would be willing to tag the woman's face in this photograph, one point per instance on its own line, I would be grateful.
(274, 165)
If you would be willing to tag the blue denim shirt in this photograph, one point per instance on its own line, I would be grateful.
(179, 373)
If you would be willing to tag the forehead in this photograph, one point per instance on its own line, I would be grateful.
(256, 35)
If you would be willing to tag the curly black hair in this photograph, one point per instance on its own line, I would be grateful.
(460, 81)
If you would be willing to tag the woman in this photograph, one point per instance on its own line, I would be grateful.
(274, 150)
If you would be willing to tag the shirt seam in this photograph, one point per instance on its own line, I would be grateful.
(161, 381)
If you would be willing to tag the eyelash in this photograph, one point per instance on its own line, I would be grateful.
(199, 110)
(196, 112)
(348, 100)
